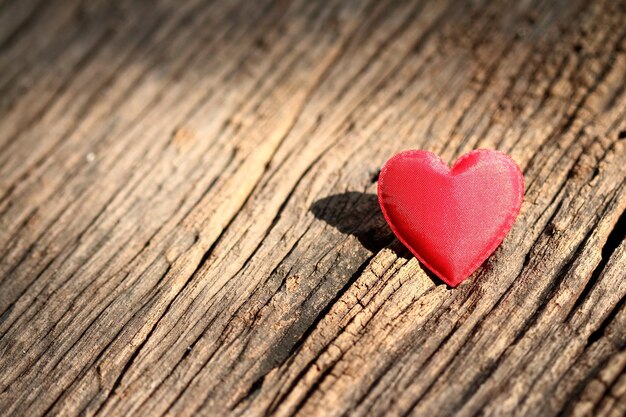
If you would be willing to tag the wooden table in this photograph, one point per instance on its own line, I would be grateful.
(188, 220)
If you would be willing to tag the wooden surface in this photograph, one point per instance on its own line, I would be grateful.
(189, 223)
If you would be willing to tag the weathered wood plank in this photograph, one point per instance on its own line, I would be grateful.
(189, 223)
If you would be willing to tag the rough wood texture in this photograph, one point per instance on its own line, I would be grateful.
(189, 224)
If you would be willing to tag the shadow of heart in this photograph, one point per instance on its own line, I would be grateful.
(357, 214)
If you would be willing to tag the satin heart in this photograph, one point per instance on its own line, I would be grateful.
(451, 219)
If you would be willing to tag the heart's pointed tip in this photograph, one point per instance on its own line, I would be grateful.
(453, 281)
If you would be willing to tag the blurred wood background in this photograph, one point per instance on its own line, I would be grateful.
(188, 220)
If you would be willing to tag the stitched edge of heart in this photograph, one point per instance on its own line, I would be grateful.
(493, 243)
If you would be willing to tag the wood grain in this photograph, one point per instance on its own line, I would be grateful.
(188, 220)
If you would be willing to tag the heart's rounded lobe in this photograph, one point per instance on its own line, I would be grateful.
(451, 219)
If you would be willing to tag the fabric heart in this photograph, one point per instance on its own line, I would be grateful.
(451, 219)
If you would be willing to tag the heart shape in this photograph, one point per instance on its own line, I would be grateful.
(451, 219)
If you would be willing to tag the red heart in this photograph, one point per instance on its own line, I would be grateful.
(451, 219)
